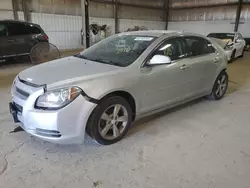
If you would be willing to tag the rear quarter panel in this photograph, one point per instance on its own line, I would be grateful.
(223, 63)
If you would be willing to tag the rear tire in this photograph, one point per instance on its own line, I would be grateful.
(110, 120)
(220, 87)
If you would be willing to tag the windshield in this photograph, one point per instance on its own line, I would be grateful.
(118, 50)
(223, 36)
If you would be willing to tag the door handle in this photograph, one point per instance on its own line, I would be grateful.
(184, 67)
(215, 60)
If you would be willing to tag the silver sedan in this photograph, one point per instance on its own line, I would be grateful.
(125, 77)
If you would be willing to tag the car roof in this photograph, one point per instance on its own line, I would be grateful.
(153, 33)
(223, 32)
(17, 21)
(159, 33)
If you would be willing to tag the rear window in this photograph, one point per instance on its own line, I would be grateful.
(198, 46)
(16, 29)
(32, 29)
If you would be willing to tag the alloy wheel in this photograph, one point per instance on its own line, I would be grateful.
(113, 122)
(221, 86)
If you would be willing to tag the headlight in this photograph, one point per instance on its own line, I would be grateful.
(229, 47)
(58, 98)
(13, 87)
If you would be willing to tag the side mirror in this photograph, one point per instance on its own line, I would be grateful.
(159, 60)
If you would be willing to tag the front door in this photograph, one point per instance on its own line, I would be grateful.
(163, 85)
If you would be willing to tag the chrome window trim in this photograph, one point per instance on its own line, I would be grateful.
(184, 57)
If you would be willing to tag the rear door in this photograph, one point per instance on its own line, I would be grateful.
(20, 39)
(201, 65)
(16, 39)
(3, 39)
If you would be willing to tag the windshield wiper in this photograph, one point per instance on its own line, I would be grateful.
(80, 56)
(99, 60)
(106, 62)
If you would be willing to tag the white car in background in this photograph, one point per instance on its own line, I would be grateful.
(233, 44)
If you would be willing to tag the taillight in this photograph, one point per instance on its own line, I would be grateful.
(46, 37)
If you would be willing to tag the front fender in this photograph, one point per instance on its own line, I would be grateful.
(99, 88)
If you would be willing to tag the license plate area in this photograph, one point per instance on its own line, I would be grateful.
(14, 112)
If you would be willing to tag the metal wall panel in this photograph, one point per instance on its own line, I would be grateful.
(190, 3)
(201, 14)
(63, 30)
(6, 5)
(20, 15)
(101, 10)
(6, 14)
(127, 23)
(202, 27)
(205, 27)
(155, 3)
(244, 29)
(125, 12)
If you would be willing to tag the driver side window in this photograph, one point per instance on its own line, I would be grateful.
(173, 48)
(3, 30)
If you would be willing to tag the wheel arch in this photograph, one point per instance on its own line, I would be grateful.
(127, 96)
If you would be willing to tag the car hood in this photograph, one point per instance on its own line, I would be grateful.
(222, 43)
(70, 68)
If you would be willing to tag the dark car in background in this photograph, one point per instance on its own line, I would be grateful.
(247, 43)
(17, 38)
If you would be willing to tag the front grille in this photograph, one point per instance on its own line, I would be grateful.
(48, 133)
(18, 107)
(22, 94)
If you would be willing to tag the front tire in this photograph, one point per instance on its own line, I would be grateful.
(220, 86)
(110, 120)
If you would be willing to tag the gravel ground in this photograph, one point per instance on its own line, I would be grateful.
(204, 144)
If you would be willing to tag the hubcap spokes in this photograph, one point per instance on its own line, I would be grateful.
(221, 86)
(113, 122)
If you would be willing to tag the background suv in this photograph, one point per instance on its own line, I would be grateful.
(17, 38)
